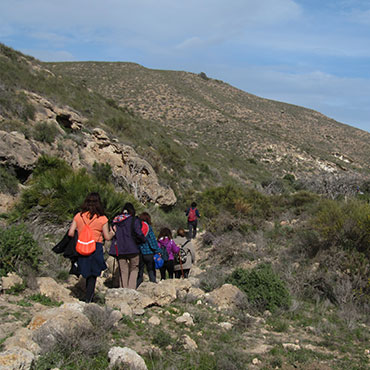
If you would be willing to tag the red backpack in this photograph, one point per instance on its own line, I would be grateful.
(192, 216)
(86, 244)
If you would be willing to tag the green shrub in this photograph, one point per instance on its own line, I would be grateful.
(43, 299)
(102, 172)
(264, 289)
(45, 132)
(17, 248)
(344, 224)
(8, 181)
(57, 191)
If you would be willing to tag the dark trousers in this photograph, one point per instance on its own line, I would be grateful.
(90, 288)
(148, 261)
(167, 266)
(192, 225)
(178, 274)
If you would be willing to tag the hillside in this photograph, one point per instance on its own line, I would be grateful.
(281, 138)
(281, 276)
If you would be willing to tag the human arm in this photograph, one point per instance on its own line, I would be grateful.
(72, 229)
(108, 233)
(175, 249)
(197, 213)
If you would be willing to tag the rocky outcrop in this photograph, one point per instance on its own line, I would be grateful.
(130, 171)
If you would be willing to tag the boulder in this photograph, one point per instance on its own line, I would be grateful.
(50, 288)
(125, 299)
(166, 291)
(22, 338)
(11, 280)
(125, 358)
(185, 319)
(225, 297)
(67, 319)
(16, 358)
(188, 343)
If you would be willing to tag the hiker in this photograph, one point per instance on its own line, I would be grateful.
(91, 266)
(147, 249)
(193, 215)
(186, 255)
(125, 245)
(168, 250)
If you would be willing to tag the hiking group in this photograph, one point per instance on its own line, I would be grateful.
(133, 245)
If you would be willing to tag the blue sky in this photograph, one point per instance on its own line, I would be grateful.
(311, 53)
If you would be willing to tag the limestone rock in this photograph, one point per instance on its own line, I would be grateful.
(64, 320)
(188, 343)
(161, 294)
(22, 339)
(225, 297)
(127, 300)
(185, 319)
(130, 171)
(17, 151)
(154, 320)
(11, 280)
(16, 358)
(126, 358)
(50, 288)
(226, 325)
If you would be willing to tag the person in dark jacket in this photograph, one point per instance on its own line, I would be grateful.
(124, 246)
(147, 249)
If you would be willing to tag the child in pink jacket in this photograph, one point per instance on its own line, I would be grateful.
(169, 249)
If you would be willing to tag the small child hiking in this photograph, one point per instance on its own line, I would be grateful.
(168, 250)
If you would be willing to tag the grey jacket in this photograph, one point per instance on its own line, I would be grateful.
(190, 253)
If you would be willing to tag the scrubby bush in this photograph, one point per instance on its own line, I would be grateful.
(236, 200)
(57, 191)
(8, 181)
(345, 224)
(265, 290)
(17, 249)
(45, 132)
(102, 172)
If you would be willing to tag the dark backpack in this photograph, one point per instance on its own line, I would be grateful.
(182, 255)
(164, 252)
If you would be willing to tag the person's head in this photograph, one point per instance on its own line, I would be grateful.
(193, 205)
(93, 205)
(129, 208)
(145, 216)
(181, 232)
(165, 232)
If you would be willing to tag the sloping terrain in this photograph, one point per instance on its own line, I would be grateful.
(208, 112)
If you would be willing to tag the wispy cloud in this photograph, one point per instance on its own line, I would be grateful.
(305, 52)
